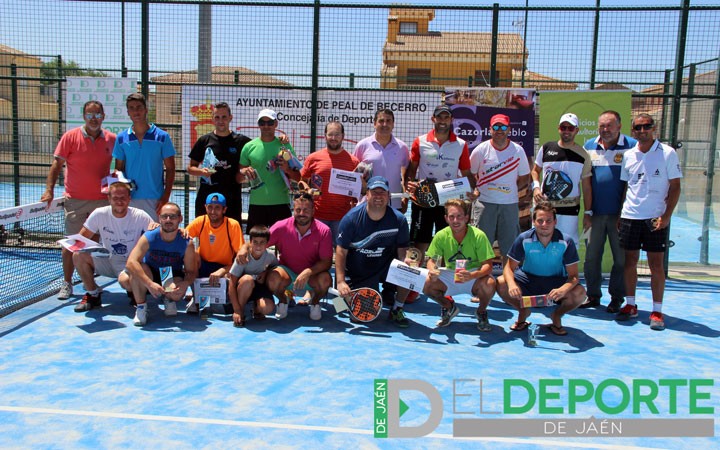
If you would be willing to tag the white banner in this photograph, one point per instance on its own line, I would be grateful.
(354, 109)
(30, 211)
(111, 92)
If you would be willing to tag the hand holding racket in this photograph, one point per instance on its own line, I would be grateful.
(425, 194)
(364, 304)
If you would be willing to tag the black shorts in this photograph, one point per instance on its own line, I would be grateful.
(260, 290)
(266, 215)
(531, 284)
(637, 234)
(156, 274)
(423, 220)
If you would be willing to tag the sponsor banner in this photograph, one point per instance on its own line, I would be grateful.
(30, 211)
(111, 92)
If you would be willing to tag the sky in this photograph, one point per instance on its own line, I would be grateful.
(279, 40)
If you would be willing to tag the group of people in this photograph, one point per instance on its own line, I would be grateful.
(628, 189)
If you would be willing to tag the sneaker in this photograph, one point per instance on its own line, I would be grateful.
(656, 321)
(615, 304)
(590, 302)
(170, 307)
(397, 316)
(447, 315)
(483, 321)
(626, 313)
(281, 311)
(88, 302)
(140, 316)
(315, 312)
(192, 307)
(66, 291)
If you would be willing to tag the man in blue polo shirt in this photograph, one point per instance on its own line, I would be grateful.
(542, 261)
(140, 153)
(606, 155)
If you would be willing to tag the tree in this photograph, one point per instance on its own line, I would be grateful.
(70, 68)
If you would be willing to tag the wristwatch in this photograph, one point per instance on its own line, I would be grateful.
(589, 212)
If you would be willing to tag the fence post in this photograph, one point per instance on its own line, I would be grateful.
(315, 75)
(145, 48)
(707, 210)
(493, 54)
(596, 32)
(15, 133)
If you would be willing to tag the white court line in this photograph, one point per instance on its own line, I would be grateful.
(289, 426)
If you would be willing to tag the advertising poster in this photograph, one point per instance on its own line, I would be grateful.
(111, 92)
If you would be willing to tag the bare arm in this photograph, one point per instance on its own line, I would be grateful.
(340, 259)
(671, 203)
(572, 281)
(134, 265)
(587, 201)
(51, 179)
(509, 275)
(169, 181)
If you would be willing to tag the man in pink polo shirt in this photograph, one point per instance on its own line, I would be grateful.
(86, 153)
(305, 247)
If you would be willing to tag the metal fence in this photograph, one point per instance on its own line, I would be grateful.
(667, 55)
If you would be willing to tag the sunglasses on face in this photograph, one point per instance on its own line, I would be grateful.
(567, 128)
(500, 127)
(266, 123)
(90, 116)
(643, 126)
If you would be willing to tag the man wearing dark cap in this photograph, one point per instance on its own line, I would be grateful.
(437, 156)
(371, 235)
(219, 239)
(500, 166)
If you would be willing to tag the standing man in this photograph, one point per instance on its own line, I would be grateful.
(542, 261)
(501, 166)
(140, 152)
(460, 242)
(119, 227)
(269, 202)
(86, 152)
(223, 146)
(564, 167)
(371, 235)
(219, 238)
(159, 249)
(305, 247)
(438, 156)
(388, 155)
(329, 208)
(606, 155)
(652, 173)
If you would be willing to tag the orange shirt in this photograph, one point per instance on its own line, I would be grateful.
(214, 244)
(87, 162)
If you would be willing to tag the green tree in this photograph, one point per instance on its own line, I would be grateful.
(70, 68)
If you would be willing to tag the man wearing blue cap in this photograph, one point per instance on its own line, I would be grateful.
(219, 237)
(371, 235)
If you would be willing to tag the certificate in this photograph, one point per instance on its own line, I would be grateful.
(344, 182)
(457, 188)
(207, 294)
(401, 274)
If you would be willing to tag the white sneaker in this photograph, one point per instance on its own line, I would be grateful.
(281, 311)
(170, 307)
(66, 291)
(140, 316)
(315, 312)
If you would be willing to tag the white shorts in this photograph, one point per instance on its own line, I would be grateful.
(108, 267)
(569, 226)
(453, 288)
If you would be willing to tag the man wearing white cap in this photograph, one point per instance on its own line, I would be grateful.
(269, 202)
(561, 168)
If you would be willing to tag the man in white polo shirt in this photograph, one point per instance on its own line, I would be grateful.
(652, 173)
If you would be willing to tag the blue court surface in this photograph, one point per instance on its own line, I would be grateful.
(93, 380)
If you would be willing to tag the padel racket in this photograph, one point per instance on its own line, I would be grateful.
(425, 195)
(535, 301)
(363, 304)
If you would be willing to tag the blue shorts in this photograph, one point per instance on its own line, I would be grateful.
(534, 285)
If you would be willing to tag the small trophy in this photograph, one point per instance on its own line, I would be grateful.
(413, 257)
(532, 333)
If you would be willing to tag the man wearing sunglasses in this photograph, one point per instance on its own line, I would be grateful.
(269, 202)
(652, 173)
(561, 174)
(162, 248)
(86, 153)
(500, 166)
(606, 155)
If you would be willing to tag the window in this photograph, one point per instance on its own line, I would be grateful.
(408, 27)
(418, 76)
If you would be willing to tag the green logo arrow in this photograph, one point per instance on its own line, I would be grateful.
(403, 407)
